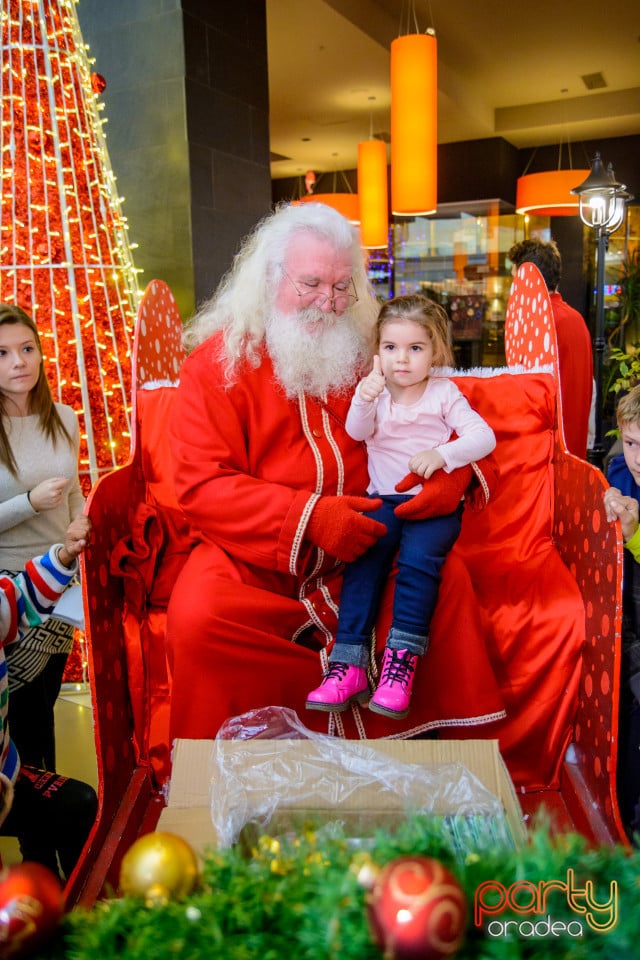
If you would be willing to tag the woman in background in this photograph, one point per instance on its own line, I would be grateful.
(39, 496)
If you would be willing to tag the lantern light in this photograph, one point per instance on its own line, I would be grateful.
(414, 124)
(603, 203)
(602, 198)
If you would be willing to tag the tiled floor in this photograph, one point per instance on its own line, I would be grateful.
(75, 748)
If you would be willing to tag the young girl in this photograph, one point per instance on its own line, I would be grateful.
(407, 416)
(39, 496)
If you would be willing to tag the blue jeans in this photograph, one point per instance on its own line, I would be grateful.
(421, 547)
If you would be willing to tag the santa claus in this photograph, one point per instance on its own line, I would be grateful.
(274, 487)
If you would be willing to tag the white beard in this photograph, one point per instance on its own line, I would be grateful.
(314, 352)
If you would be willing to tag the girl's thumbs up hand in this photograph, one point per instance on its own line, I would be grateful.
(372, 386)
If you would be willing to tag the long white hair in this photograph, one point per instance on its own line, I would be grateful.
(242, 302)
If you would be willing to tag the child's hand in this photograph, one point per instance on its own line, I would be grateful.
(624, 509)
(426, 463)
(48, 494)
(372, 386)
(76, 539)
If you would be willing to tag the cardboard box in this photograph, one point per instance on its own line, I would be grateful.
(188, 805)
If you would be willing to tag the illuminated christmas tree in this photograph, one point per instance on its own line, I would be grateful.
(65, 257)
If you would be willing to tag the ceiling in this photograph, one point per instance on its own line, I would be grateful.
(525, 73)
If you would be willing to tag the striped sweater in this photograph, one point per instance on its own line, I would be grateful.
(25, 601)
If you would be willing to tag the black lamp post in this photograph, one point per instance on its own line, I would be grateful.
(602, 206)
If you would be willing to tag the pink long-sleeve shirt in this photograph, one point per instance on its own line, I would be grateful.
(394, 432)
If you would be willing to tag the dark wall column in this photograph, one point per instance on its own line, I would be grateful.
(187, 132)
(568, 233)
(227, 110)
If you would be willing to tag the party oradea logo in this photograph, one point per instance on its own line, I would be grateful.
(544, 910)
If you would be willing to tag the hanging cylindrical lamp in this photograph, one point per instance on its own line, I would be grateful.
(414, 124)
(345, 203)
(548, 194)
(373, 194)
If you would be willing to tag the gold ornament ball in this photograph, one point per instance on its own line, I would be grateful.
(158, 867)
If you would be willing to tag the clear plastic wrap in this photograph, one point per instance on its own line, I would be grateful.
(266, 723)
(254, 775)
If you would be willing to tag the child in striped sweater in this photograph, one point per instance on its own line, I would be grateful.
(37, 806)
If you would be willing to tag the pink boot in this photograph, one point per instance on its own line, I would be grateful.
(396, 682)
(343, 684)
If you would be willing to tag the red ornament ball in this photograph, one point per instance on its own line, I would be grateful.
(417, 910)
(98, 83)
(31, 905)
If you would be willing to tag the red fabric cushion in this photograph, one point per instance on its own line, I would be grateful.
(153, 414)
(530, 601)
(517, 523)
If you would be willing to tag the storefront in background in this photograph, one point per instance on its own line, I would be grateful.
(459, 258)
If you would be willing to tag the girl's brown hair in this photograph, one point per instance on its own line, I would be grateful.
(429, 314)
(40, 398)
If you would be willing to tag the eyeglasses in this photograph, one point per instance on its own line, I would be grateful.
(341, 299)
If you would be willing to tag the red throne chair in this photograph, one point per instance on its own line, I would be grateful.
(544, 564)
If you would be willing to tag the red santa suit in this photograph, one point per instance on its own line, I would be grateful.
(256, 602)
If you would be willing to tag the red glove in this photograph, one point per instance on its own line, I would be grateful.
(440, 494)
(338, 527)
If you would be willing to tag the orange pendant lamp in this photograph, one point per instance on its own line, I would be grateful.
(414, 124)
(373, 194)
(549, 194)
(345, 203)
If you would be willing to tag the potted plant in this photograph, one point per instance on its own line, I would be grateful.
(623, 362)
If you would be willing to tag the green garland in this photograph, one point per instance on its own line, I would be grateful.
(304, 898)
